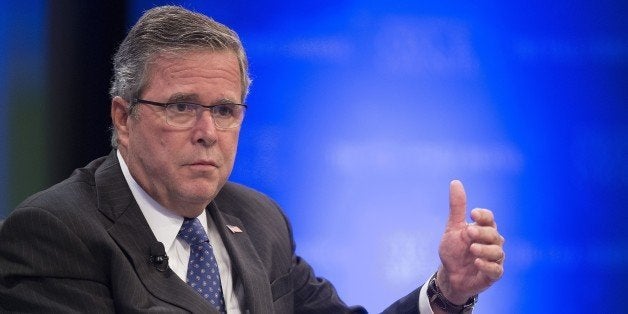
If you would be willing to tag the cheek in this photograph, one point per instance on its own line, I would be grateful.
(163, 142)
(229, 146)
(153, 144)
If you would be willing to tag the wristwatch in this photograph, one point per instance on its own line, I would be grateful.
(436, 297)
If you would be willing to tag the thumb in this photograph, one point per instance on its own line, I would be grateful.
(457, 204)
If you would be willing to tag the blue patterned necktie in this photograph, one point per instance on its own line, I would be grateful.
(203, 273)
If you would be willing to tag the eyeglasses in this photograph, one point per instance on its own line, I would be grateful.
(185, 115)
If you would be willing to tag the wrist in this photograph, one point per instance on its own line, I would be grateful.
(455, 305)
(445, 289)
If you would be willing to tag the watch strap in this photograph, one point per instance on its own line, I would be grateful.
(436, 297)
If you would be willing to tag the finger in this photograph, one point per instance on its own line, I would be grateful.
(457, 204)
(484, 235)
(483, 217)
(492, 270)
(492, 253)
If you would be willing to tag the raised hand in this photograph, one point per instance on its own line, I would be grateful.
(472, 255)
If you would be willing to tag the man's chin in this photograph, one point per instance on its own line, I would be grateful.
(203, 192)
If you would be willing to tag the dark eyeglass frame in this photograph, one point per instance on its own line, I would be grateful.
(210, 108)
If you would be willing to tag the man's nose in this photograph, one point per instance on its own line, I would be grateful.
(205, 129)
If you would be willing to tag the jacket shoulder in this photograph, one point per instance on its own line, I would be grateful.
(77, 189)
(236, 190)
(256, 210)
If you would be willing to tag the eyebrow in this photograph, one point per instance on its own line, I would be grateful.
(178, 97)
(194, 98)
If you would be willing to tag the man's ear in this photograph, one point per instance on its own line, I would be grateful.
(120, 119)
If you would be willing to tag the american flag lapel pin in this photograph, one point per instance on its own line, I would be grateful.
(234, 229)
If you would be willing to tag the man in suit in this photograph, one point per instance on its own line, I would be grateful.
(155, 226)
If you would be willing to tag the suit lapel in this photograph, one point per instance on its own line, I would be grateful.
(247, 264)
(132, 233)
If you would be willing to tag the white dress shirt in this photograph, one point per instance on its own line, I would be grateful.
(165, 224)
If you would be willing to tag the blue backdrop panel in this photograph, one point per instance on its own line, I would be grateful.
(22, 85)
(361, 113)
(4, 47)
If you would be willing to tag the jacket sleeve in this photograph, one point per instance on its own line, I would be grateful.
(312, 294)
(406, 305)
(46, 267)
(316, 295)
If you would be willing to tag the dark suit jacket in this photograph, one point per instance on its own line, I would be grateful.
(83, 246)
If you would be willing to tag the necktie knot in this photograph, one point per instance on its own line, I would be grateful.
(192, 232)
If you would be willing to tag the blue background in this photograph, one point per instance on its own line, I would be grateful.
(362, 112)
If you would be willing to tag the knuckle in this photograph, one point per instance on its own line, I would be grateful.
(496, 238)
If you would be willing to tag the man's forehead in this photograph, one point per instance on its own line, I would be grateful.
(222, 60)
(205, 59)
(183, 54)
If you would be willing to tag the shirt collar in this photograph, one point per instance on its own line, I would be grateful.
(164, 223)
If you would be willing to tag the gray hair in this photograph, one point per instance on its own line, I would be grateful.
(169, 29)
